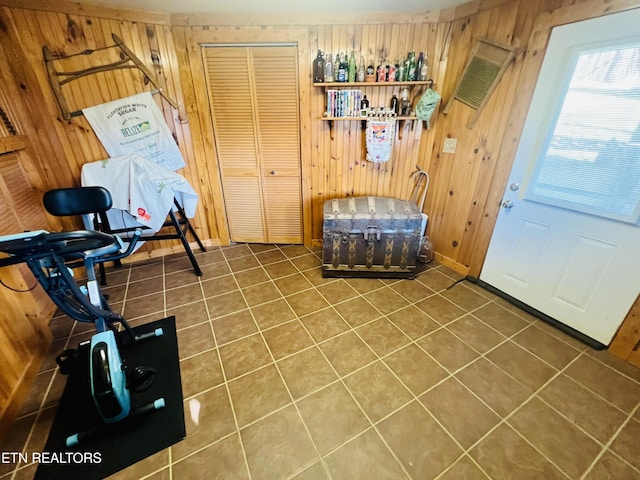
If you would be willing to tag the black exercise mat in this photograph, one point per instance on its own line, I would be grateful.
(126, 442)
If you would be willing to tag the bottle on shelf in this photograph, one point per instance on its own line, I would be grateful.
(382, 72)
(364, 106)
(318, 68)
(395, 104)
(405, 104)
(361, 71)
(424, 71)
(405, 73)
(411, 74)
(392, 72)
(352, 67)
(328, 70)
(419, 64)
(343, 68)
(370, 75)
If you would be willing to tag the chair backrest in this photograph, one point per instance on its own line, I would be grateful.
(63, 202)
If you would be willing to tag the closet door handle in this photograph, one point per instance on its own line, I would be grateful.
(273, 172)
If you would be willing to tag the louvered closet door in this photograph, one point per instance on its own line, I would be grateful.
(254, 102)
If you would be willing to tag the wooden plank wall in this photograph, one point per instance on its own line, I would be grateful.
(70, 144)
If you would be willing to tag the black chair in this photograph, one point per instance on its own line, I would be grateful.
(66, 202)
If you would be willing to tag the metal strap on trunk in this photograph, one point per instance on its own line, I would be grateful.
(388, 252)
(335, 250)
(351, 259)
(404, 252)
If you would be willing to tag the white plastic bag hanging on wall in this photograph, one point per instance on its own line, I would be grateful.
(380, 134)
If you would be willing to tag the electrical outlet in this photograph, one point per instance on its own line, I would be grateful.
(449, 145)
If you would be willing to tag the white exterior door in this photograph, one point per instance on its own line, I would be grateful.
(567, 238)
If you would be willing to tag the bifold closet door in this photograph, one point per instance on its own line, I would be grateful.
(253, 95)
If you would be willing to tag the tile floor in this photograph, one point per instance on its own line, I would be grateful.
(287, 375)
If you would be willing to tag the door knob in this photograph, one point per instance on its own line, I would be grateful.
(273, 172)
(507, 204)
(514, 187)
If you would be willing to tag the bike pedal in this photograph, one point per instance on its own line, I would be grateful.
(67, 361)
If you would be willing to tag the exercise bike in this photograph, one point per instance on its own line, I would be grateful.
(51, 257)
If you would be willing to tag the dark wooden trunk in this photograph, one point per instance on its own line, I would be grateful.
(371, 237)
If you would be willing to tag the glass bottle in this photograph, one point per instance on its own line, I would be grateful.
(411, 74)
(370, 75)
(419, 64)
(336, 68)
(343, 68)
(318, 68)
(364, 106)
(361, 71)
(395, 104)
(328, 69)
(424, 71)
(352, 68)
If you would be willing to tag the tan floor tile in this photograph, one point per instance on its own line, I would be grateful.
(273, 313)
(270, 256)
(189, 314)
(207, 418)
(314, 276)
(415, 368)
(493, 386)
(324, 324)
(382, 336)
(336, 292)
(332, 417)
(278, 446)
(292, 284)
(215, 270)
(236, 251)
(287, 339)
(591, 413)
(386, 300)
(233, 326)
(435, 280)
(306, 372)
(225, 304)
(413, 322)
(150, 285)
(466, 469)
(219, 285)
(626, 443)
(505, 455)
(500, 319)
(347, 353)
(611, 467)
(559, 334)
(244, 355)
(253, 276)
(222, 460)
(306, 302)
(200, 373)
(292, 251)
(141, 272)
(212, 255)
(280, 269)
(619, 365)
(464, 297)
(422, 446)
(305, 262)
(243, 263)
(377, 390)
(147, 305)
(451, 352)
(364, 457)
(258, 394)
(548, 348)
(262, 293)
(314, 472)
(357, 311)
(460, 412)
(557, 438)
(194, 340)
(440, 309)
(412, 290)
(475, 333)
(521, 365)
(623, 392)
(259, 247)
(364, 285)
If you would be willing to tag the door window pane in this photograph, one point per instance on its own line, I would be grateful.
(590, 160)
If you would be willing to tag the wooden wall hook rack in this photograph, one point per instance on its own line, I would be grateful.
(129, 60)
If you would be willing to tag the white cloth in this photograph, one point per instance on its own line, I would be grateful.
(135, 125)
(380, 134)
(142, 188)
